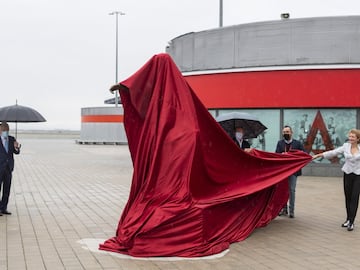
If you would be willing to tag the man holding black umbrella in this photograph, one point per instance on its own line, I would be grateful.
(239, 138)
(9, 146)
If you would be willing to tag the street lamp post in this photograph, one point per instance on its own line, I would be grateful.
(117, 13)
(221, 13)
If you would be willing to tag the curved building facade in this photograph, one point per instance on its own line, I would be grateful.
(299, 72)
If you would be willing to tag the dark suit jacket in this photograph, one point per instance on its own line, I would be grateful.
(294, 145)
(245, 144)
(7, 159)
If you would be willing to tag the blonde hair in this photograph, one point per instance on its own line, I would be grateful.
(356, 132)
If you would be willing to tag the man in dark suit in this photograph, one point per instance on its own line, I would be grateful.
(8, 147)
(285, 145)
(239, 139)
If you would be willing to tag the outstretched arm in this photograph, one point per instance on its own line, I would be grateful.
(317, 156)
(114, 88)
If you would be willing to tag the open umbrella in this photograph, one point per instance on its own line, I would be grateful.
(17, 113)
(251, 124)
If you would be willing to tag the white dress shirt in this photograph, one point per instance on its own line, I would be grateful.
(352, 162)
(4, 141)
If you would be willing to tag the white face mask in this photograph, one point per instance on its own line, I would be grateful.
(239, 135)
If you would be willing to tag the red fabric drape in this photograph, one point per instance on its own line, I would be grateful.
(193, 190)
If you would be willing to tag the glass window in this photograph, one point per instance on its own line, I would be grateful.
(320, 130)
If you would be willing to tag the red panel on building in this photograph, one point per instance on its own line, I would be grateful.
(102, 118)
(279, 89)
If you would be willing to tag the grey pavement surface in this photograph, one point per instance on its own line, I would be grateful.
(64, 192)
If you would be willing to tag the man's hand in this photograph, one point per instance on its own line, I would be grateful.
(17, 145)
(115, 87)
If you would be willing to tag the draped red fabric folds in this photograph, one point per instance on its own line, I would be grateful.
(193, 192)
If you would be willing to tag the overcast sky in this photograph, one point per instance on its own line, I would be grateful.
(58, 56)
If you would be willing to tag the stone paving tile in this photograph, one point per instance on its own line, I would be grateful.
(64, 192)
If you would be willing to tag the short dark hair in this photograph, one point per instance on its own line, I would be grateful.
(286, 126)
(4, 125)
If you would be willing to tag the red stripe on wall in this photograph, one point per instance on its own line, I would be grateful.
(102, 118)
(278, 89)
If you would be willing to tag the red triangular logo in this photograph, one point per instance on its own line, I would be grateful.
(318, 131)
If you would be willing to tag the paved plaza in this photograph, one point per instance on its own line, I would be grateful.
(67, 197)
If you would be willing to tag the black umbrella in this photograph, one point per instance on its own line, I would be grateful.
(17, 113)
(251, 124)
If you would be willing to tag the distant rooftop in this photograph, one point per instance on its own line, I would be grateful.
(111, 101)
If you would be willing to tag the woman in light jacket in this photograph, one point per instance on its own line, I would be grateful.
(351, 169)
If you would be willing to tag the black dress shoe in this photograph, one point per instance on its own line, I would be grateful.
(345, 224)
(0, 214)
(350, 226)
(283, 212)
(6, 212)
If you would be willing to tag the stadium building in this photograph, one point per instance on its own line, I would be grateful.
(299, 72)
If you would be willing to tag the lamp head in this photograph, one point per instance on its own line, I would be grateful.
(285, 16)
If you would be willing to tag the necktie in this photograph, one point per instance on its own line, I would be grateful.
(6, 145)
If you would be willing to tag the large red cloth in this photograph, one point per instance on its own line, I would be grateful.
(194, 191)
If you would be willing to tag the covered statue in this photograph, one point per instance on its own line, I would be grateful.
(193, 192)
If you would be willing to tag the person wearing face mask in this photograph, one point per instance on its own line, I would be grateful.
(8, 147)
(351, 168)
(285, 145)
(239, 139)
